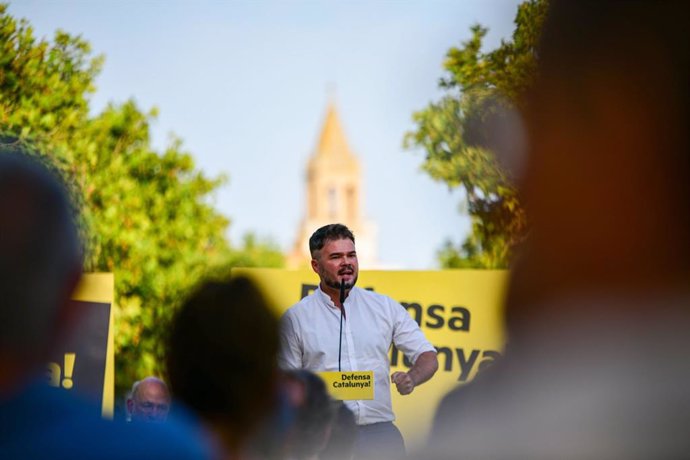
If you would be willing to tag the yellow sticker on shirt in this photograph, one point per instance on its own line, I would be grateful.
(349, 385)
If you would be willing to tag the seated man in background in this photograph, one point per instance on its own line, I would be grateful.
(148, 401)
(40, 264)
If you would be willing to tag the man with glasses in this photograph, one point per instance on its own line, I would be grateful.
(148, 401)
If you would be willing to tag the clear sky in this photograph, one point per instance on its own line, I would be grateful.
(244, 84)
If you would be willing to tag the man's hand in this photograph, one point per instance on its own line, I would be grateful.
(403, 382)
(421, 371)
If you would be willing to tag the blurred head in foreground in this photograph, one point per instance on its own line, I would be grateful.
(606, 186)
(40, 264)
(341, 442)
(314, 414)
(599, 302)
(221, 358)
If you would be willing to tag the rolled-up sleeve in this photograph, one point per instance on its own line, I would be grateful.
(407, 336)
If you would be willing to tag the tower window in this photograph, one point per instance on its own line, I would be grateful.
(332, 203)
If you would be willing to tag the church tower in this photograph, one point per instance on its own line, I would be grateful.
(334, 195)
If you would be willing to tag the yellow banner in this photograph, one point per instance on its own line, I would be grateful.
(84, 363)
(349, 385)
(460, 312)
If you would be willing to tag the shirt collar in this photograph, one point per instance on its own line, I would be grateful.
(326, 299)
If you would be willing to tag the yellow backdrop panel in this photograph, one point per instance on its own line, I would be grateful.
(460, 312)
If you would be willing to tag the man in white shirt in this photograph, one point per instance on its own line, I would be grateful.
(321, 334)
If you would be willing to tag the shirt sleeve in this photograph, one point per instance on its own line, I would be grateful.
(407, 336)
(290, 354)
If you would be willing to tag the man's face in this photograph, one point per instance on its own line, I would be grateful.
(151, 403)
(337, 261)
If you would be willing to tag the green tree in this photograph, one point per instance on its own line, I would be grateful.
(480, 89)
(147, 216)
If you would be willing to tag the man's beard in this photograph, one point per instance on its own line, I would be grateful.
(335, 283)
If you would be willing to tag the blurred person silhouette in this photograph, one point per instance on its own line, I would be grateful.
(341, 442)
(315, 413)
(148, 401)
(598, 309)
(221, 360)
(40, 265)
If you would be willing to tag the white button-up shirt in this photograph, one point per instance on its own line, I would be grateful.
(310, 338)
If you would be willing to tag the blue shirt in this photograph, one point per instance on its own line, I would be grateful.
(51, 423)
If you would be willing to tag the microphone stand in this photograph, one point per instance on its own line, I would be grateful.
(342, 310)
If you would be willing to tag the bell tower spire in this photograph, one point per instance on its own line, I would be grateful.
(334, 191)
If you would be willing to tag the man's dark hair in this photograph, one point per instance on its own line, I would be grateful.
(330, 232)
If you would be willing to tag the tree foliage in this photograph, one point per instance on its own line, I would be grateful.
(456, 133)
(147, 216)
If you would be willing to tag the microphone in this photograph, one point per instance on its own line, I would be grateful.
(342, 293)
